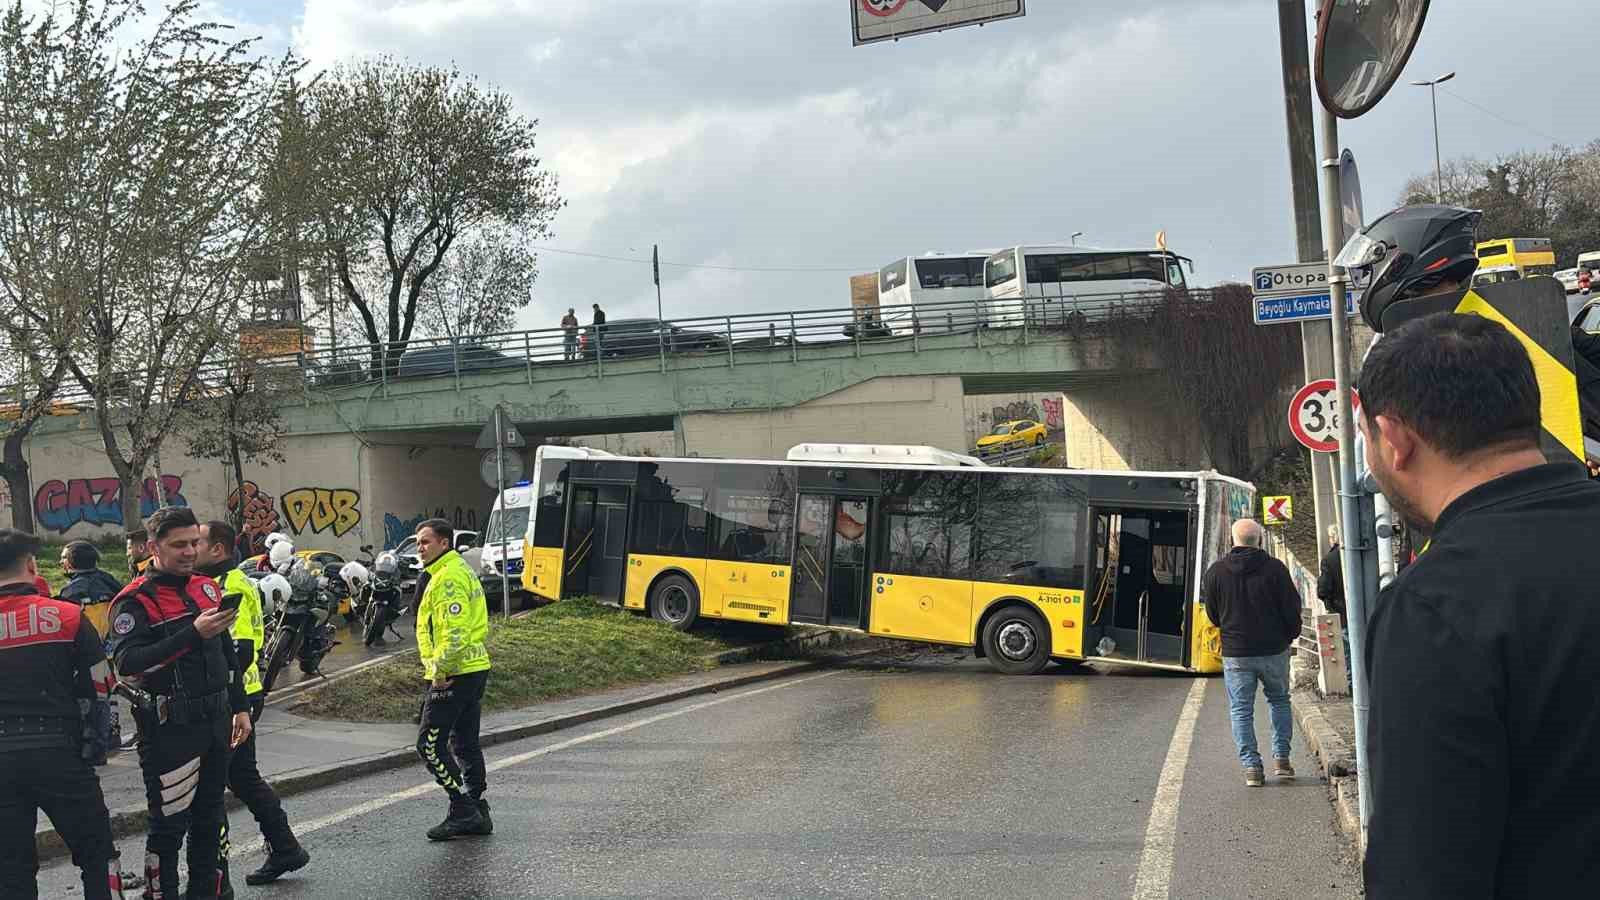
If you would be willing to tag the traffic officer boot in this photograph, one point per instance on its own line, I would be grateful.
(483, 810)
(284, 855)
(465, 819)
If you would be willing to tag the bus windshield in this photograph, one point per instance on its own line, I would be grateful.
(935, 274)
(1000, 269)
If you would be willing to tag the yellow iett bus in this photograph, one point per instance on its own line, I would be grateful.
(1512, 259)
(911, 543)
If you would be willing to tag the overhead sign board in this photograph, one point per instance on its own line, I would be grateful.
(890, 20)
(1295, 292)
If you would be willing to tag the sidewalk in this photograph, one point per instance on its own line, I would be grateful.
(299, 754)
(1329, 726)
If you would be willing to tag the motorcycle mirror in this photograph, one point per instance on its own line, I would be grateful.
(1362, 46)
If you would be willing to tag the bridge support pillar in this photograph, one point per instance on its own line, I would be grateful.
(1130, 423)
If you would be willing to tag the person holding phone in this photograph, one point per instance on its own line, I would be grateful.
(170, 644)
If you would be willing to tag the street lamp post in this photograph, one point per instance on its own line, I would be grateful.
(1075, 236)
(1438, 162)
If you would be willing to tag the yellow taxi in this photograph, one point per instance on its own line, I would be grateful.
(1013, 435)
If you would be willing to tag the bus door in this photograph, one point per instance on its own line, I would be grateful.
(830, 560)
(597, 531)
(1140, 610)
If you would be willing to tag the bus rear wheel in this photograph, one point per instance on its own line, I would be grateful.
(675, 602)
(1016, 641)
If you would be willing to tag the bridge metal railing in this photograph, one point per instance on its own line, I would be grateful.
(690, 342)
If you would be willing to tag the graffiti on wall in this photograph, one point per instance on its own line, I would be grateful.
(255, 508)
(1016, 409)
(1052, 412)
(322, 509)
(58, 505)
(396, 529)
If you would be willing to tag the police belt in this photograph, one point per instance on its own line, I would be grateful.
(184, 710)
(37, 732)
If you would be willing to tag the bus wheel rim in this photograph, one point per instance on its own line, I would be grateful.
(1016, 640)
(675, 604)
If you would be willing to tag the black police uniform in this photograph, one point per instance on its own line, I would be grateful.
(46, 651)
(184, 731)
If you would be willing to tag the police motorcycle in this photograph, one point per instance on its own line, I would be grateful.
(382, 602)
(302, 626)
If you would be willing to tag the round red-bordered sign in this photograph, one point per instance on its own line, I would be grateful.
(1314, 418)
(882, 8)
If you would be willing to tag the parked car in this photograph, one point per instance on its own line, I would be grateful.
(447, 360)
(645, 337)
(1568, 279)
(1013, 435)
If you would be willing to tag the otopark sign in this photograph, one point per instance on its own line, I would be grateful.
(1314, 416)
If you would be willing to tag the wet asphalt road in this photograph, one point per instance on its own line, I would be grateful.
(919, 775)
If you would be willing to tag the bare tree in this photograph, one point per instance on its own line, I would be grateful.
(479, 288)
(403, 163)
(139, 186)
(236, 420)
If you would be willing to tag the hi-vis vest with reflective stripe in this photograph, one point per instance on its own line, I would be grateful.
(248, 626)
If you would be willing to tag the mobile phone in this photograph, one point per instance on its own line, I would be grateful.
(231, 602)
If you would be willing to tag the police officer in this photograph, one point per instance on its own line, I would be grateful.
(452, 625)
(284, 853)
(47, 649)
(170, 641)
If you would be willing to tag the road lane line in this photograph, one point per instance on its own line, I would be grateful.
(1154, 879)
(426, 788)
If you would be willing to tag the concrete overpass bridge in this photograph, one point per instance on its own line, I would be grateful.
(371, 447)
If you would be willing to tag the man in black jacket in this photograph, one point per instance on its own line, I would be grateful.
(1251, 598)
(1483, 667)
(1330, 581)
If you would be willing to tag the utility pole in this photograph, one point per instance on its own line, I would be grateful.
(1438, 161)
(1316, 338)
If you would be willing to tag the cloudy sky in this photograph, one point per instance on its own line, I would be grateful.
(752, 135)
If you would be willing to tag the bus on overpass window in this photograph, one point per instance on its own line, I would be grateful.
(1055, 279)
(914, 293)
(1528, 256)
(1024, 565)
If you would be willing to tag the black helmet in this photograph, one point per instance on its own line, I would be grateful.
(1409, 251)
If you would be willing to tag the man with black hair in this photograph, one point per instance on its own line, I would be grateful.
(93, 590)
(47, 651)
(170, 640)
(284, 853)
(138, 547)
(1482, 662)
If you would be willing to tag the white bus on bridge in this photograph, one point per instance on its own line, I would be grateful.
(932, 281)
(1054, 279)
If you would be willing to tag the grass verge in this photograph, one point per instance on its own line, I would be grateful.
(571, 647)
(113, 559)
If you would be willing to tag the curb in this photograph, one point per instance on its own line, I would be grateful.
(132, 820)
(1338, 764)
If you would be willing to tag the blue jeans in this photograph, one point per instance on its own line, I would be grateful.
(1240, 674)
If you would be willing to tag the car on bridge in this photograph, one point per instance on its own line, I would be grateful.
(645, 337)
(1014, 435)
(449, 359)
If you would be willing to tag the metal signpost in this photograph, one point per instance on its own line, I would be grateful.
(497, 436)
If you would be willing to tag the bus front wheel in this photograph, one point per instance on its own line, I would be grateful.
(675, 602)
(1017, 641)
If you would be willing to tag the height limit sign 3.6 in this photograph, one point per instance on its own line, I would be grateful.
(1314, 417)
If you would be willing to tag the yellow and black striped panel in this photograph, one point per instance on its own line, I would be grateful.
(1535, 311)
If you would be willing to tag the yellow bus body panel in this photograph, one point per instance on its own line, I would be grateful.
(1061, 608)
(1205, 653)
(927, 609)
(642, 572)
(541, 570)
(748, 592)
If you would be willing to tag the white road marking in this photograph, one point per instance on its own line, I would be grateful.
(1154, 879)
(430, 787)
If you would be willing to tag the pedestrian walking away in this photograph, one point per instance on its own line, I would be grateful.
(93, 590)
(1483, 668)
(452, 626)
(284, 853)
(598, 326)
(170, 645)
(1251, 598)
(48, 650)
(569, 335)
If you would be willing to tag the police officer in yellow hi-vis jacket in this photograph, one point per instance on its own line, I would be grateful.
(284, 853)
(452, 626)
